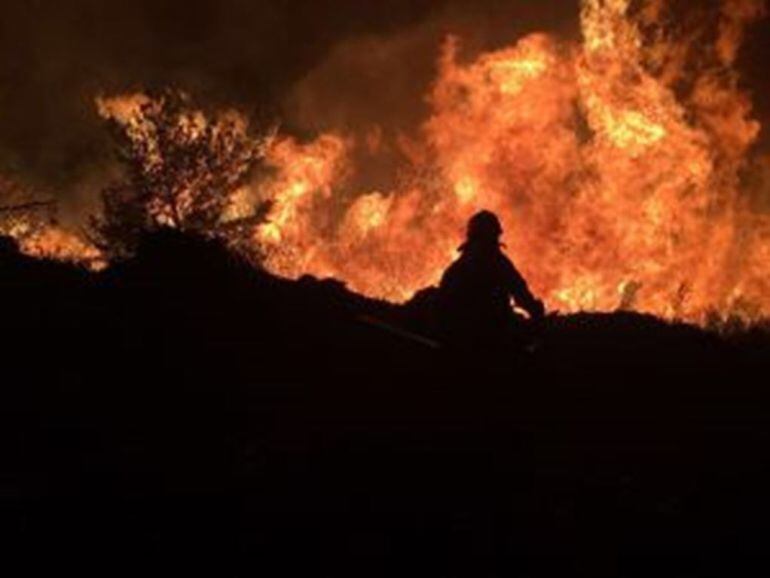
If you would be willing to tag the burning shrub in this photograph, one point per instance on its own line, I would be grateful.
(182, 170)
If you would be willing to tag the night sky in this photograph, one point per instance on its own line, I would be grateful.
(256, 55)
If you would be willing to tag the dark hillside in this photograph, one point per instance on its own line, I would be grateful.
(183, 411)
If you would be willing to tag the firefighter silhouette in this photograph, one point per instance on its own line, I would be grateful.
(476, 291)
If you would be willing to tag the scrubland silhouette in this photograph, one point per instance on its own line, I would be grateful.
(182, 411)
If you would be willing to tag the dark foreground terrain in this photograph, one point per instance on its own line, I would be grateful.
(182, 413)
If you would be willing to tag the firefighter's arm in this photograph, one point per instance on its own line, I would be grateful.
(522, 294)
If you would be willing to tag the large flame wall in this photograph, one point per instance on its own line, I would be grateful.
(615, 165)
(615, 189)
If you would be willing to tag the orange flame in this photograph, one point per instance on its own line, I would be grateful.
(61, 245)
(615, 191)
(615, 165)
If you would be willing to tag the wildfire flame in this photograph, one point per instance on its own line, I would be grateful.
(615, 165)
(615, 190)
(62, 245)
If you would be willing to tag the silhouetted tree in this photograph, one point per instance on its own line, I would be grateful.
(181, 170)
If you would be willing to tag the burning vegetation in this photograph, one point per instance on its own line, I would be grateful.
(620, 166)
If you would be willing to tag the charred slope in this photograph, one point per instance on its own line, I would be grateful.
(187, 407)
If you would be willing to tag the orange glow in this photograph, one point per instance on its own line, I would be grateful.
(615, 190)
(61, 245)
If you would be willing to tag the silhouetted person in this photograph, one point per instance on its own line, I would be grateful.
(477, 289)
